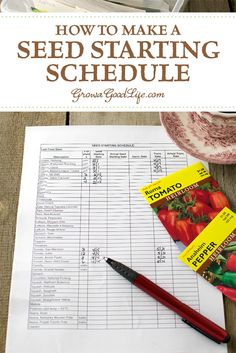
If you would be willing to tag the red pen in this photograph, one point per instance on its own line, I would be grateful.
(188, 315)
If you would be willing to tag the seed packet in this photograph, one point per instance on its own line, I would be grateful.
(197, 215)
(212, 253)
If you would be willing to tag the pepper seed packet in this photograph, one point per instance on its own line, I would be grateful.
(197, 215)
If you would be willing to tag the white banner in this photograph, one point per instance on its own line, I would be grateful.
(118, 62)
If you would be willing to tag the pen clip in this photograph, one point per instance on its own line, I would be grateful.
(199, 330)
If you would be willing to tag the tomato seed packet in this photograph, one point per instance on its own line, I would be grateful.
(197, 215)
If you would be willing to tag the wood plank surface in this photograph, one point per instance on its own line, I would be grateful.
(232, 4)
(12, 127)
(208, 6)
(110, 118)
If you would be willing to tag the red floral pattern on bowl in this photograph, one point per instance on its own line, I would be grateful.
(206, 136)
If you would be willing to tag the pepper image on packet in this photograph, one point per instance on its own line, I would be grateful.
(197, 215)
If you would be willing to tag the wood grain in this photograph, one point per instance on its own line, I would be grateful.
(110, 118)
(208, 6)
(232, 5)
(12, 127)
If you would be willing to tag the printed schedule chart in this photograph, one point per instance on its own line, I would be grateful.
(89, 206)
(80, 202)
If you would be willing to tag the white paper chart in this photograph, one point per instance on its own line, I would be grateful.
(89, 206)
(86, 204)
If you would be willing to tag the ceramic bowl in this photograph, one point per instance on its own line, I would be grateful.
(209, 136)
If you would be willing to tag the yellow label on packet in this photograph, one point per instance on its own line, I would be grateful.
(174, 184)
(205, 248)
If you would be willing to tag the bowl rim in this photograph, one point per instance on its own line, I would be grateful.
(196, 154)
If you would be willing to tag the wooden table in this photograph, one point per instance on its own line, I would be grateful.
(12, 140)
(211, 6)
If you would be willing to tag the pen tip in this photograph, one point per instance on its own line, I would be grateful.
(227, 339)
(108, 260)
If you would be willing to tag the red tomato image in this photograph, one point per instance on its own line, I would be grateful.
(183, 227)
(168, 219)
(199, 195)
(171, 219)
(197, 228)
(162, 214)
(199, 209)
(211, 215)
(218, 200)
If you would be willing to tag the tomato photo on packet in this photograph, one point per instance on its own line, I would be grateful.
(199, 209)
(218, 200)
(197, 228)
(198, 195)
(184, 231)
(211, 215)
(187, 215)
(168, 219)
